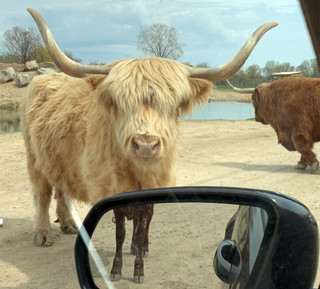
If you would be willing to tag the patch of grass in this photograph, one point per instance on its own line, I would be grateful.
(223, 87)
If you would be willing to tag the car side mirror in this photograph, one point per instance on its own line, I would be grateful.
(227, 261)
(265, 239)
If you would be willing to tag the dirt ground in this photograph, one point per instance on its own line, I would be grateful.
(10, 94)
(213, 153)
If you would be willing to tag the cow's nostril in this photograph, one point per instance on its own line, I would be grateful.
(156, 146)
(135, 144)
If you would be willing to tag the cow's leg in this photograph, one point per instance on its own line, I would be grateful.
(145, 250)
(134, 235)
(144, 216)
(67, 224)
(146, 239)
(120, 236)
(141, 225)
(304, 146)
(42, 192)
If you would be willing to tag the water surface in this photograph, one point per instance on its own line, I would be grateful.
(9, 120)
(228, 110)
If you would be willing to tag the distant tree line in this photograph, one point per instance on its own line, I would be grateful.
(254, 75)
(158, 40)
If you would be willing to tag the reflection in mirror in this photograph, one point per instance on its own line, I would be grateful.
(183, 243)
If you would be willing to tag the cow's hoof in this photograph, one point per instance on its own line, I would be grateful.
(138, 279)
(43, 239)
(300, 166)
(134, 252)
(315, 167)
(115, 277)
(71, 229)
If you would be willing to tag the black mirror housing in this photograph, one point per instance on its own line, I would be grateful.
(290, 239)
(227, 262)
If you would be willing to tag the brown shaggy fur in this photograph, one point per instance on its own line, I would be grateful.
(292, 107)
(78, 133)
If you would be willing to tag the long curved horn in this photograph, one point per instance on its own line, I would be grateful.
(240, 90)
(63, 62)
(75, 69)
(232, 66)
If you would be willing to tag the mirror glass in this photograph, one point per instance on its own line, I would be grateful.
(183, 241)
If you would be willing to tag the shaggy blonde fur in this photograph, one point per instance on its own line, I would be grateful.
(78, 132)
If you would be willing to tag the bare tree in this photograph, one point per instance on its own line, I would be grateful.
(21, 43)
(254, 76)
(204, 64)
(71, 56)
(275, 66)
(160, 40)
(305, 67)
(309, 68)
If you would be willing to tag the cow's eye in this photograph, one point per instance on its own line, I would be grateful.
(109, 101)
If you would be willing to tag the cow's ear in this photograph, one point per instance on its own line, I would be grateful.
(200, 90)
(256, 95)
(95, 80)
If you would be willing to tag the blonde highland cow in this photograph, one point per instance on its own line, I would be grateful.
(108, 129)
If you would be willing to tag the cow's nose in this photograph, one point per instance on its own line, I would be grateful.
(144, 146)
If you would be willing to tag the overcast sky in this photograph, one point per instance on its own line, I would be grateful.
(212, 31)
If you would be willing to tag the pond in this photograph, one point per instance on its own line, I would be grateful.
(9, 120)
(229, 110)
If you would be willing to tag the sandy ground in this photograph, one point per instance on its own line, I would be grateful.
(10, 94)
(213, 153)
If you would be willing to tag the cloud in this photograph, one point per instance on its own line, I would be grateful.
(211, 30)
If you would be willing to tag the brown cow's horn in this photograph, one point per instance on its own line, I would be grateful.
(63, 62)
(231, 67)
(240, 90)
